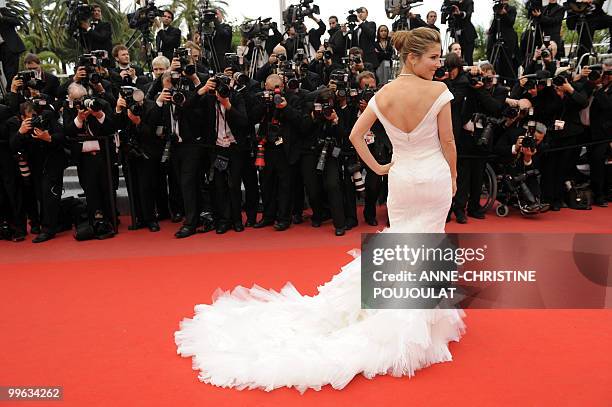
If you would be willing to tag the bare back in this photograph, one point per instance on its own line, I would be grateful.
(405, 101)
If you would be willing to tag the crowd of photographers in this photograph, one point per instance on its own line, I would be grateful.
(273, 119)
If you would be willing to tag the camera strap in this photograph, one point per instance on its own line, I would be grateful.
(174, 123)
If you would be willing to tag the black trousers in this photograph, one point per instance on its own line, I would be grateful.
(144, 176)
(227, 195)
(334, 185)
(374, 186)
(11, 196)
(597, 161)
(251, 185)
(48, 185)
(348, 191)
(276, 185)
(93, 177)
(189, 163)
(297, 189)
(467, 50)
(312, 184)
(168, 193)
(470, 174)
(556, 169)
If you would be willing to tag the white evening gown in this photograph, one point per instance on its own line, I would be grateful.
(258, 338)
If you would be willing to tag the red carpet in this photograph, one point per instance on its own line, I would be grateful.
(98, 319)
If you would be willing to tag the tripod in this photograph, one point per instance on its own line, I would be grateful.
(533, 29)
(499, 55)
(580, 46)
(258, 52)
(209, 52)
(146, 44)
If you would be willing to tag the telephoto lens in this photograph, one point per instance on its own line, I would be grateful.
(93, 104)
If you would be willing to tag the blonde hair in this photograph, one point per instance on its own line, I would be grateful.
(416, 41)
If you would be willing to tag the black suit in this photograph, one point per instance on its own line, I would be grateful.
(11, 186)
(167, 40)
(100, 36)
(505, 65)
(601, 128)
(12, 46)
(464, 31)
(364, 37)
(222, 42)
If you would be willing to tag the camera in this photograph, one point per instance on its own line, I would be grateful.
(183, 55)
(329, 148)
(323, 109)
(484, 129)
(90, 62)
(223, 85)
(41, 121)
(206, 18)
(366, 94)
(529, 140)
(272, 97)
(395, 8)
(233, 60)
(77, 12)
(533, 5)
(294, 14)
(559, 80)
(596, 72)
(447, 10)
(94, 104)
(354, 168)
(144, 17)
(29, 80)
(133, 99)
(327, 54)
(499, 6)
(259, 29)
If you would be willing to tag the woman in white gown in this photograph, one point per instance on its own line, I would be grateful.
(257, 338)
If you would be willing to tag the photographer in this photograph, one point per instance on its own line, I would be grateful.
(485, 97)
(458, 84)
(277, 58)
(49, 81)
(87, 119)
(125, 73)
(601, 128)
(91, 75)
(543, 59)
(280, 126)
(432, 17)
(596, 19)
(12, 46)
(96, 34)
(181, 112)
(459, 16)
(168, 38)
(25, 86)
(502, 27)
(517, 148)
(321, 158)
(226, 156)
(222, 39)
(380, 146)
(142, 151)
(364, 37)
(558, 107)
(11, 186)
(37, 135)
(550, 19)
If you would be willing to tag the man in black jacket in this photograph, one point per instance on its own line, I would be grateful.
(85, 126)
(96, 34)
(50, 81)
(364, 37)
(43, 145)
(505, 61)
(462, 29)
(550, 19)
(184, 118)
(168, 37)
(228, 140)
(12, 46)
(280, 126)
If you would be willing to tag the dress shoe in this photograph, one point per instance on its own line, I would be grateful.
(297, 219)
(43, 237)
(34, 229)
(238, 227)
(350, 224)
(555, 206)
(18, 237)
(371, 222)
(185, 231)
(153, 226)
(476, 214)
(250, 223)
(281, 226)
(340, 231)
(460, 215)
(315, 223)
(176, 218)
(136, 226)
(221, 229)
(263, 223)
(207, 227)
(601, 202)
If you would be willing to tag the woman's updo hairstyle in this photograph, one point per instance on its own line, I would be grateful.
(416, 41)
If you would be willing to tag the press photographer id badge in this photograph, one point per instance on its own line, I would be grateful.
(369, 137)
(559, 124)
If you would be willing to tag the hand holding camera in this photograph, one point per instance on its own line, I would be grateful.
(165, 96)
(80, 74)
(42, 135)
(26, 127)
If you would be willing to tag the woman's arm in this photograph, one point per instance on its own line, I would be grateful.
(361, 127)
(447, 142)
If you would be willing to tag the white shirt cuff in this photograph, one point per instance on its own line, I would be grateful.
(78, 122)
